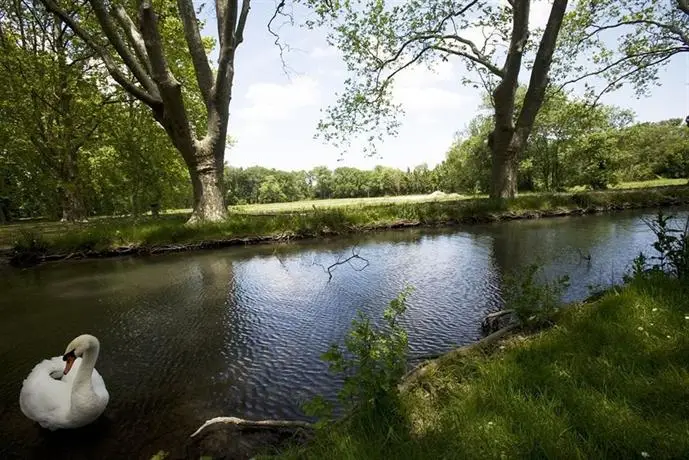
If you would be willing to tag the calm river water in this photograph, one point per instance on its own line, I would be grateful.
(186, 337)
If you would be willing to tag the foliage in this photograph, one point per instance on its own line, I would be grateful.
(373, 360)
(621, 43)
(467, 166)
(262, 185)
(672, 246)
(572, 144)
(534, 303)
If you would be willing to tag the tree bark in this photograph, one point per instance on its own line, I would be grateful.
(140, 48)
(510, 136)
(207, 182)
(504, 173)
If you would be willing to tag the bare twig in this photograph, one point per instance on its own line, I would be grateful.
(282, 47)
(341, 261)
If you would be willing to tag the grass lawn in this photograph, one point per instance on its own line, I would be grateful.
(316, 218)
(610, 380)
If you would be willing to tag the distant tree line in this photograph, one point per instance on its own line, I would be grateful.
(262, 185)
(573, 144)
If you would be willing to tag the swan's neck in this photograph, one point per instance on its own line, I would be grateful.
(88, 362)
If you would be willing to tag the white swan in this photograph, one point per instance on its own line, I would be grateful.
(55, 398)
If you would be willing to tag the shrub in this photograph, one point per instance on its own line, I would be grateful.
(534, 303)
(373, 361)
(672, 245)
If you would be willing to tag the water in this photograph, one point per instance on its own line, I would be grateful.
(186, 337)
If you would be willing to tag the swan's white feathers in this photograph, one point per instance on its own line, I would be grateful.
(48, 401)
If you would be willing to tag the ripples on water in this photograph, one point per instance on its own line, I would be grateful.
(190, 336)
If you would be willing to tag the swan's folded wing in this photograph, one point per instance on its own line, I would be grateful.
(43, 396)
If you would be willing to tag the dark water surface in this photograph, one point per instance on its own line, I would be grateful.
(186, 337)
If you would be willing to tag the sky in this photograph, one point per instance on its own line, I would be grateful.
(274, 114)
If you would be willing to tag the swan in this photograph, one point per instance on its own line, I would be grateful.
(56, 398)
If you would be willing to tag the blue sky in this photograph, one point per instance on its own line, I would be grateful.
(273, 116)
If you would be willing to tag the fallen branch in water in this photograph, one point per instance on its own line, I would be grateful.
(422, 369)
(242, 423)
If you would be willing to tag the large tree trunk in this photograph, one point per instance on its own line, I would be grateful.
(504, 175)
(72, 204)
(209, 202)
(206, 171)
(510, 135)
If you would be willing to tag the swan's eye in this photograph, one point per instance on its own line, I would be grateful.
(69, 355)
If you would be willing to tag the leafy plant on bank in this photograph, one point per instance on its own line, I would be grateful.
(672, 246)
(534, 303)
(372, 361)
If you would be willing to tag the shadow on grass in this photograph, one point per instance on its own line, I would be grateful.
(611, 380)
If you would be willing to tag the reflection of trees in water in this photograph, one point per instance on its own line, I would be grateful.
(550, 242)
(171, 341)
(582, 247)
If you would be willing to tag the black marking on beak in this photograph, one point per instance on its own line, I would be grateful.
(69, 355)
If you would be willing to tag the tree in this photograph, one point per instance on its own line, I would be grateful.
(147, 54)
(467, 166)
(53, 101)
(647, 34)
(569, 140)
(378, 43)
(562, 122)
(323, 182)
(655, 149)
(270, 191)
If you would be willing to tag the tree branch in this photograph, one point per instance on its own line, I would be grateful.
(628, 57)
(541, 68)
(233, 33)
(683, 5)
(278, 10)
(110, 64)
(639, 68)
(348, 260)
(174, 115)
(204, 76)
(115, 39)
(505, 91)
(241, 24)
(133, 35)
(669, 27)
(238, 422)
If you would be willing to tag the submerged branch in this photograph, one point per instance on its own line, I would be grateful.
(243, 423)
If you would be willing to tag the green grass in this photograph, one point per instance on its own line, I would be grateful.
(610, 380)
(308, 205)
(107, 233)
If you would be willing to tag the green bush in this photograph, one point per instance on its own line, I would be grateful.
(534, 303)
(672, 245)
(373, 362)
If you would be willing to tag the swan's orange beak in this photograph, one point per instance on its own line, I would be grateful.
(69, 359)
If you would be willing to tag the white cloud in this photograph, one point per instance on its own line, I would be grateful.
(323, 52)
(424, 92)
(272, 101)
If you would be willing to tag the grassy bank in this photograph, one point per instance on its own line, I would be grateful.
(610, 380)
(35, 241)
